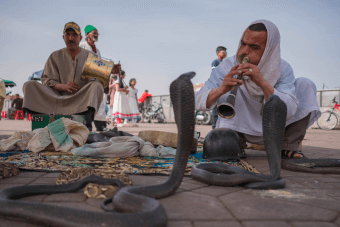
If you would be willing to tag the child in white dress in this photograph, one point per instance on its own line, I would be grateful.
(134, 112)
(121, 109)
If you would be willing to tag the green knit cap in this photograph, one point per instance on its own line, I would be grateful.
(89, 28)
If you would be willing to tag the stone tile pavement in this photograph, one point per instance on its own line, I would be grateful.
(308, 199)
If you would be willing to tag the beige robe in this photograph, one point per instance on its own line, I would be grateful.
(60, 68)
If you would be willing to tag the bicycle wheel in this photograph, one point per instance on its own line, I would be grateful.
(161, 118)
(327, 120)
(207, 118)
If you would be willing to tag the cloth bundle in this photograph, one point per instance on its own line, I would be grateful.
(64, 134)
(117, 147)
(61, 135)
(18, 141)
(124, 147)
(105, 136)
(165, 152)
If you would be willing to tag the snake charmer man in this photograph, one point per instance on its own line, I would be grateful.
(266, 73)
(62, 91)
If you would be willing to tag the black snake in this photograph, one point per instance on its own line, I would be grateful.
(318, 166)
(135, 206)
(273, 123)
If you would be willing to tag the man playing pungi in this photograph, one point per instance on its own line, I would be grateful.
(267, 74)
(62, 91)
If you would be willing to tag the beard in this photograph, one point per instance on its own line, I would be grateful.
(95, 39)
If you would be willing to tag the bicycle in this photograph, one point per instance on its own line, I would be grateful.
(328, 119)
(149, 114)
(203, 117)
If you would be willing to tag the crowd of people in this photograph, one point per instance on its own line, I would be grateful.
(121, 99)
(63, 92)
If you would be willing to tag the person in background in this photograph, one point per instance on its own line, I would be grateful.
(16, 105)
(111, 95)
(121, 109)
(134, 112)
(221, 52)
(17, 102)
(2, 95)
(142, 98)
(91, 37)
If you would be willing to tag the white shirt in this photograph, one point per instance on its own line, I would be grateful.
(86, 46)
(299, 95)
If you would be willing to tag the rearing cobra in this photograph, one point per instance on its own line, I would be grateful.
(135, 206)
(273, 124)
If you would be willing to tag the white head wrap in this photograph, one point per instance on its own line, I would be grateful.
(270, 63)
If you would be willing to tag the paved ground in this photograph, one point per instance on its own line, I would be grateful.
(308, 199)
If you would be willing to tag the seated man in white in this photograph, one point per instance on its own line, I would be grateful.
(265, 74)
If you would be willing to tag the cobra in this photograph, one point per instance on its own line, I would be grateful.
(273, 123)
(134, 206)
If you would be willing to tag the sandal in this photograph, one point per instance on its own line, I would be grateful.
(285, 154)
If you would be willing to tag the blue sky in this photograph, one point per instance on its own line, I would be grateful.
(157, 40)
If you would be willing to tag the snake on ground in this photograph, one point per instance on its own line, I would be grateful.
(138, 205)
(134, 206)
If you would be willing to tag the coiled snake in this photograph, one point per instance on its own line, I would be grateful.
(273, 123)
(137, 204)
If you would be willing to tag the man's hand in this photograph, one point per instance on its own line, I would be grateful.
(227, 84)
(255, 75)
(116, 69)
(229, 81)
(70, 87)
(253, 72)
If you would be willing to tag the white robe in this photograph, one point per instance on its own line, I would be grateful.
(132, 95)
(86, 46)
(298, 94)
